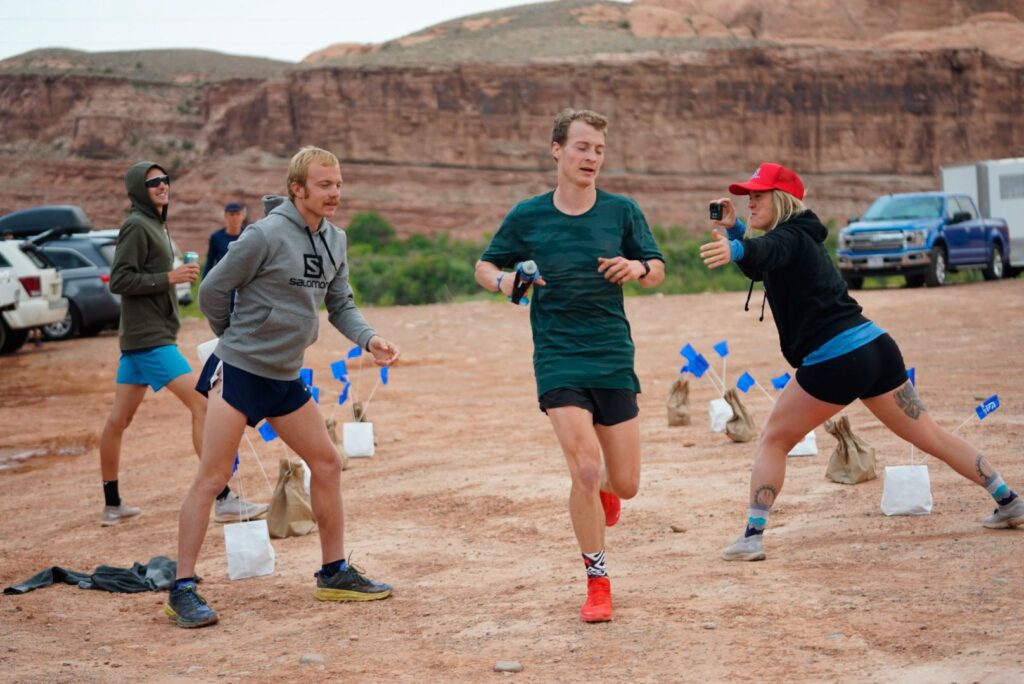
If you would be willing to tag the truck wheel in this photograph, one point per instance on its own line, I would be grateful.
(853, 282)
(935, 276)
(11, 340)
(996, 267)
(64, 329)
(915, 280)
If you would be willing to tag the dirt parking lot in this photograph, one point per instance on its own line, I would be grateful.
(463, 509)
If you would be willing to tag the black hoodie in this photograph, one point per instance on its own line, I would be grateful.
(142, 259)
(808, 297)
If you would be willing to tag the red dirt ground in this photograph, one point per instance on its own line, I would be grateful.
(463, 509)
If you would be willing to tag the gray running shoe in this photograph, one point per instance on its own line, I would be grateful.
(234, 509)
(112, 515)
(1010, 515)
(745, 549)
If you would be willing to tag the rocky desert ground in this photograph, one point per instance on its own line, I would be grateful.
(463, 509)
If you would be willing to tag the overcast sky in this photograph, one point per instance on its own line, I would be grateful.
(265, 28)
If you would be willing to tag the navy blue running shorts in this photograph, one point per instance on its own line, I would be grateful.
(254, 395)
(608, 406)
(868, 371)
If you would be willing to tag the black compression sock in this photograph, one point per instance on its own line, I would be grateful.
(110, 494)
(224, 494)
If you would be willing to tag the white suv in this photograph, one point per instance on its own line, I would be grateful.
(40, 302)
(10, 289)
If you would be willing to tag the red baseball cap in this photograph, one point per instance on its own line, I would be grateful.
(771, 177)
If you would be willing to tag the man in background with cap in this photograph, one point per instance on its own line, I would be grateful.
(234, 217)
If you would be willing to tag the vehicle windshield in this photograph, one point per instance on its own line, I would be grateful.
(895, 208)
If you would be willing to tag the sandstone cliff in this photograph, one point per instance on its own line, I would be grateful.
(450, 144)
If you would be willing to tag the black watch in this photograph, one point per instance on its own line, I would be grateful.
(647, 268)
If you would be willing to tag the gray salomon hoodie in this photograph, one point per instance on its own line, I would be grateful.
(282, 273)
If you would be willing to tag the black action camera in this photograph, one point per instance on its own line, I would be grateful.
(715, 210)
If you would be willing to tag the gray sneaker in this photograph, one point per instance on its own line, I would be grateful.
(1010, 515)
(112, 515)
(233, 509)
(745, 549)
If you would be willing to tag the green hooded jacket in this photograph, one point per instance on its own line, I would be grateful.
(142, 260)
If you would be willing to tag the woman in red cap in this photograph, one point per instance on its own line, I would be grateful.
(840, 355)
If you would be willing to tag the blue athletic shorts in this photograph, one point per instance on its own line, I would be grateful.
(155, 366)
(253, 395)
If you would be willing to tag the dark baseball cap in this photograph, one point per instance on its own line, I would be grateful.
(234, 206)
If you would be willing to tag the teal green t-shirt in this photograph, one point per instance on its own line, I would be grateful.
(581, 337)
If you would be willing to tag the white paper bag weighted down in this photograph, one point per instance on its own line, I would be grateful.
(720, 413)
(808, 446)
(907, 490)
(248, 549)
(204, 350)
(357, 439)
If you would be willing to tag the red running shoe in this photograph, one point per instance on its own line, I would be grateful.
(612, 508)
(598, 607)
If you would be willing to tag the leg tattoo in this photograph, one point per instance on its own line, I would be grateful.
(764, 496)
(982, 467)
(907, 399)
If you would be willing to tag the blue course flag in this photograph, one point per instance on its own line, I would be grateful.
(267, 432)
(684, 369)
(339, 370)
(699, 365)
(344, 393)
(745, 382)
(235, 467)
(780, 382)
(355, 352)
(988, 406)
(722, 349)
(689, 352)
(307, 375)
(384, 374)
(910, 376)
(315, 391)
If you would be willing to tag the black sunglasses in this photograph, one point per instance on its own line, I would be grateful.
(155, 181)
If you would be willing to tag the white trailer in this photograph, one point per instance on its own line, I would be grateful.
(997, 187)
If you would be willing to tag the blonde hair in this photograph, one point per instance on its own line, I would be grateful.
(298, 167)
(786, 206)
(560, 131)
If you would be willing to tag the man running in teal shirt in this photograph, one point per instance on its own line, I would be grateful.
(587, 243)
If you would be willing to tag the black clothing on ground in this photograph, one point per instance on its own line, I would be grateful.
(156, 575)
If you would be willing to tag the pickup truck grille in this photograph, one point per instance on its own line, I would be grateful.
(875, 242)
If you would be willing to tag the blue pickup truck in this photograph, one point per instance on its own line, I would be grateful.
(922, 236)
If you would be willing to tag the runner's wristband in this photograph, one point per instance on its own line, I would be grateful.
(498, 281)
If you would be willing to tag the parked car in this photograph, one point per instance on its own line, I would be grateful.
(922, 236)
(39, 300)
(84, 262)
(10, 289)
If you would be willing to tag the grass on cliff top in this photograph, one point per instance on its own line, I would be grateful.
(155, 66)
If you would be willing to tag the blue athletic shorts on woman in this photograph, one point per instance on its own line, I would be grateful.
(253, 395)
(155, 366)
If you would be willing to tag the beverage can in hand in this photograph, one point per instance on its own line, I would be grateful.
(190, 258)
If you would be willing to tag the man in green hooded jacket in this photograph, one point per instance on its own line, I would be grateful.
(143, 274)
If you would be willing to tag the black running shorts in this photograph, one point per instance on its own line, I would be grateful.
(608, 406)
(254, 395)
(868, 371)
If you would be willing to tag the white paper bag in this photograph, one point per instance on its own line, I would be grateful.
(357, 439)
(248, 548)
(907, 490)
(307, 476)
(720, 413)
(808, 446)
(205, 349)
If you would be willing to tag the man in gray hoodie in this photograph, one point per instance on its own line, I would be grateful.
(143, 274)
(282, 267)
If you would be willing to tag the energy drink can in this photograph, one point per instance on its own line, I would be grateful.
(190, 258)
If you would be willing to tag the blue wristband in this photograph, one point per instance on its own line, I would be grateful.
(498, 281)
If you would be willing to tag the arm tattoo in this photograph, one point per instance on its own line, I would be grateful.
(765, 495)
(982, 467)
(907, 399)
